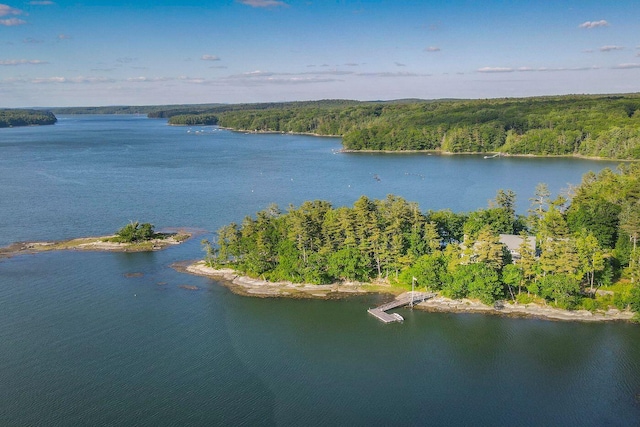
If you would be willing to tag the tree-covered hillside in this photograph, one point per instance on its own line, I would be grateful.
(17, 117)
(594, 126)
(581, 246)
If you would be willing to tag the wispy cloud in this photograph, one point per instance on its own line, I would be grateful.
(432, 49)
(400, 64)
(64, 37)
(530, 69)
(627, 66)
(390, 74)
(495, 70)
(255, 78)
(144, 79)
(31, 40)
(210, 58)
(594, 24)
(610, 48)
(6, 10)
(12, 22)
(126, 60)
(71, 80)
(263, 3)
(22, 62)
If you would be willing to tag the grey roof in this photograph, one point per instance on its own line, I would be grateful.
(513, 241)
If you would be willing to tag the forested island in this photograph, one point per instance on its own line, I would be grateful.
(18, 117)
(571, 254)
(576, 125)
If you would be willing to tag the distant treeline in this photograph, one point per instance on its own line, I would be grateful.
(155, 111)
(16, 117)
(593, 126)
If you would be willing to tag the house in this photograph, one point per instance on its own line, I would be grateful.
(513, 243)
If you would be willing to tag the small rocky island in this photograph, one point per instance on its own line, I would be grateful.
(133, 237)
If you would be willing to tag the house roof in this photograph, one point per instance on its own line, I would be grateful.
(513, 241)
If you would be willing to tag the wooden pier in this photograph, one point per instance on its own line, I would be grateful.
(409, 298)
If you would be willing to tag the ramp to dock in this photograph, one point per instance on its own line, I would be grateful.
(405, 299)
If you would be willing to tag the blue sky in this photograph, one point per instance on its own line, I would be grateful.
(98, 52)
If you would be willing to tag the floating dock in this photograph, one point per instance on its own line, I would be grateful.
(405, 299)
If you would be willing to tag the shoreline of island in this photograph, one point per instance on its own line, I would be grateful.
(247, 286)
(97, 244)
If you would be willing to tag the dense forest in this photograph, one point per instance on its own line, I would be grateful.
(594, 126)
(581, 246)
(18, 117)
(156, 111)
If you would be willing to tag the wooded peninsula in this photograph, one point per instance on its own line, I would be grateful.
(17, 117)
(577, 254)
(576, 125)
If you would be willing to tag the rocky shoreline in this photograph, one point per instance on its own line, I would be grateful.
(100, 244)
(261, 288)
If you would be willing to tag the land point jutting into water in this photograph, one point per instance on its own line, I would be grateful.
(133, 237)
(578, 254)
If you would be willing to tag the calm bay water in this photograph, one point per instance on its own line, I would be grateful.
(83, 342)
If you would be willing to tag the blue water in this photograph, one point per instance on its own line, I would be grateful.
(84, 341)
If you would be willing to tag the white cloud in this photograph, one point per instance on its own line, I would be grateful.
(210, 58)
(194, 80)
(495, 70)
(263, 3)
(143, 79)
(610, 48)
(5, 10)
(12, 22)
(432, 49)
(389, 74)
(71, 80)
(530, 69)
(627, 66)
(594, 24)
(22, 62)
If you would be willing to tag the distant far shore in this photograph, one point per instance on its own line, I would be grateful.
(248, 286)
(99, 244)
(488, 154)
(268, 132)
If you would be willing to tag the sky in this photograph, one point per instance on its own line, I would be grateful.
(144, 52)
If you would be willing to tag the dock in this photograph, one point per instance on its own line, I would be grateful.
(409, 298)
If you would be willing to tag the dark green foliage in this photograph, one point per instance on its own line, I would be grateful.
(194, 119)
(562, 289)
(565, 125)
(429, 270)
(135, 232)
(459, 254)
(476, 280)
(15, 118)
